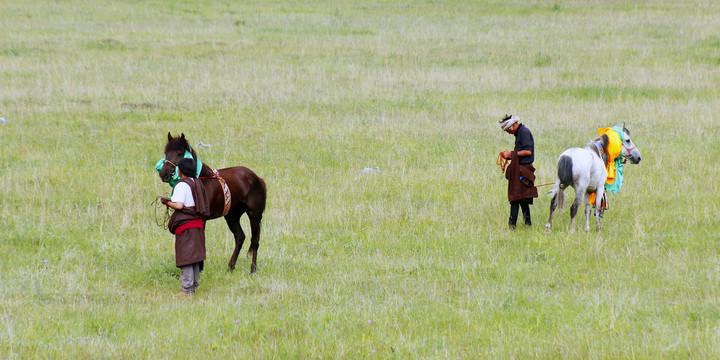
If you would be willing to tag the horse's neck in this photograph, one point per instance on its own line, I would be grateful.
(206, 171)
(599, 146)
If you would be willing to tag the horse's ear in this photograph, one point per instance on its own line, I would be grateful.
(169, 137)
(625, 129)
(182, 136)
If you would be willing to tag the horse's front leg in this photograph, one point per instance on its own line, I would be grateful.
(598, 204)
(587, 212)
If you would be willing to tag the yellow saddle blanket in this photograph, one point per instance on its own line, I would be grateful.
(614, 149)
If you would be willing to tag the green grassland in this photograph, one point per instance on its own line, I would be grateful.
(413, 261)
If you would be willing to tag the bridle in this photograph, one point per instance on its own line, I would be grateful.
(171, 176)
(628, 150)
(172, 163)
(169, 162)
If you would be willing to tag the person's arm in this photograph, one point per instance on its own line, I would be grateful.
(177, 205)
(521, 153)
(180, 193)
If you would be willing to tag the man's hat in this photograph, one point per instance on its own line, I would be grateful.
(508, 121)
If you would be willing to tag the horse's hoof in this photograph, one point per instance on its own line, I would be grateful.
(253, 269)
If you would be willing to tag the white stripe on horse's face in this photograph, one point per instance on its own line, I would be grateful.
(629, 151)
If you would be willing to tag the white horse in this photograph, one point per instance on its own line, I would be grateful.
(584, 170)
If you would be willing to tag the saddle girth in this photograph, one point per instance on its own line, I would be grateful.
(226, 192)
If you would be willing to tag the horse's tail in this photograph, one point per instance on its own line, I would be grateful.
(257, 215)
(564, 179)
(560, 198)
(264, 187)
(565, 174)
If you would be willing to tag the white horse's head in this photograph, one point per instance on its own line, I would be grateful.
(629, 151)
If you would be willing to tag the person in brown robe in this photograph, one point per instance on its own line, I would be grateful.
(521, 172)
(188, 224)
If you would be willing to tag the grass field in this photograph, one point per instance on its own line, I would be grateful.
(413, 261)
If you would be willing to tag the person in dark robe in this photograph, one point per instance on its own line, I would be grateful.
(188, 224)
(520, 172)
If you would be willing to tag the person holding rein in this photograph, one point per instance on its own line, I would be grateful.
(521, 172)
(188, 224)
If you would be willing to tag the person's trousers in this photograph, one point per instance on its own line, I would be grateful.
(514, 209)
(190, 276)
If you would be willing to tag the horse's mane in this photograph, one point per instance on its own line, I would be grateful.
(603, 140)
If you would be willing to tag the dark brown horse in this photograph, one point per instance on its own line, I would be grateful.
(247, 192)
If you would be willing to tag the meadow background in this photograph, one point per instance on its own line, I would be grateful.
(413, 261)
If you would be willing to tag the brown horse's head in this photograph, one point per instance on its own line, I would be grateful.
(174, 151)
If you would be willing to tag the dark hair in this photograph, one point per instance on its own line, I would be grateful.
(188, 167)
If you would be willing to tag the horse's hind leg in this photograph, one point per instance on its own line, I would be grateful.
(255, 221)
(557, 201)
(553, 206)
(233, 222)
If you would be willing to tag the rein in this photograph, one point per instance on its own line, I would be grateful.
(625, 157)
(501, 162)
(166, 216)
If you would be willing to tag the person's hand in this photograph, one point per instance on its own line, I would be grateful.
(164, 200)
(506, 154)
